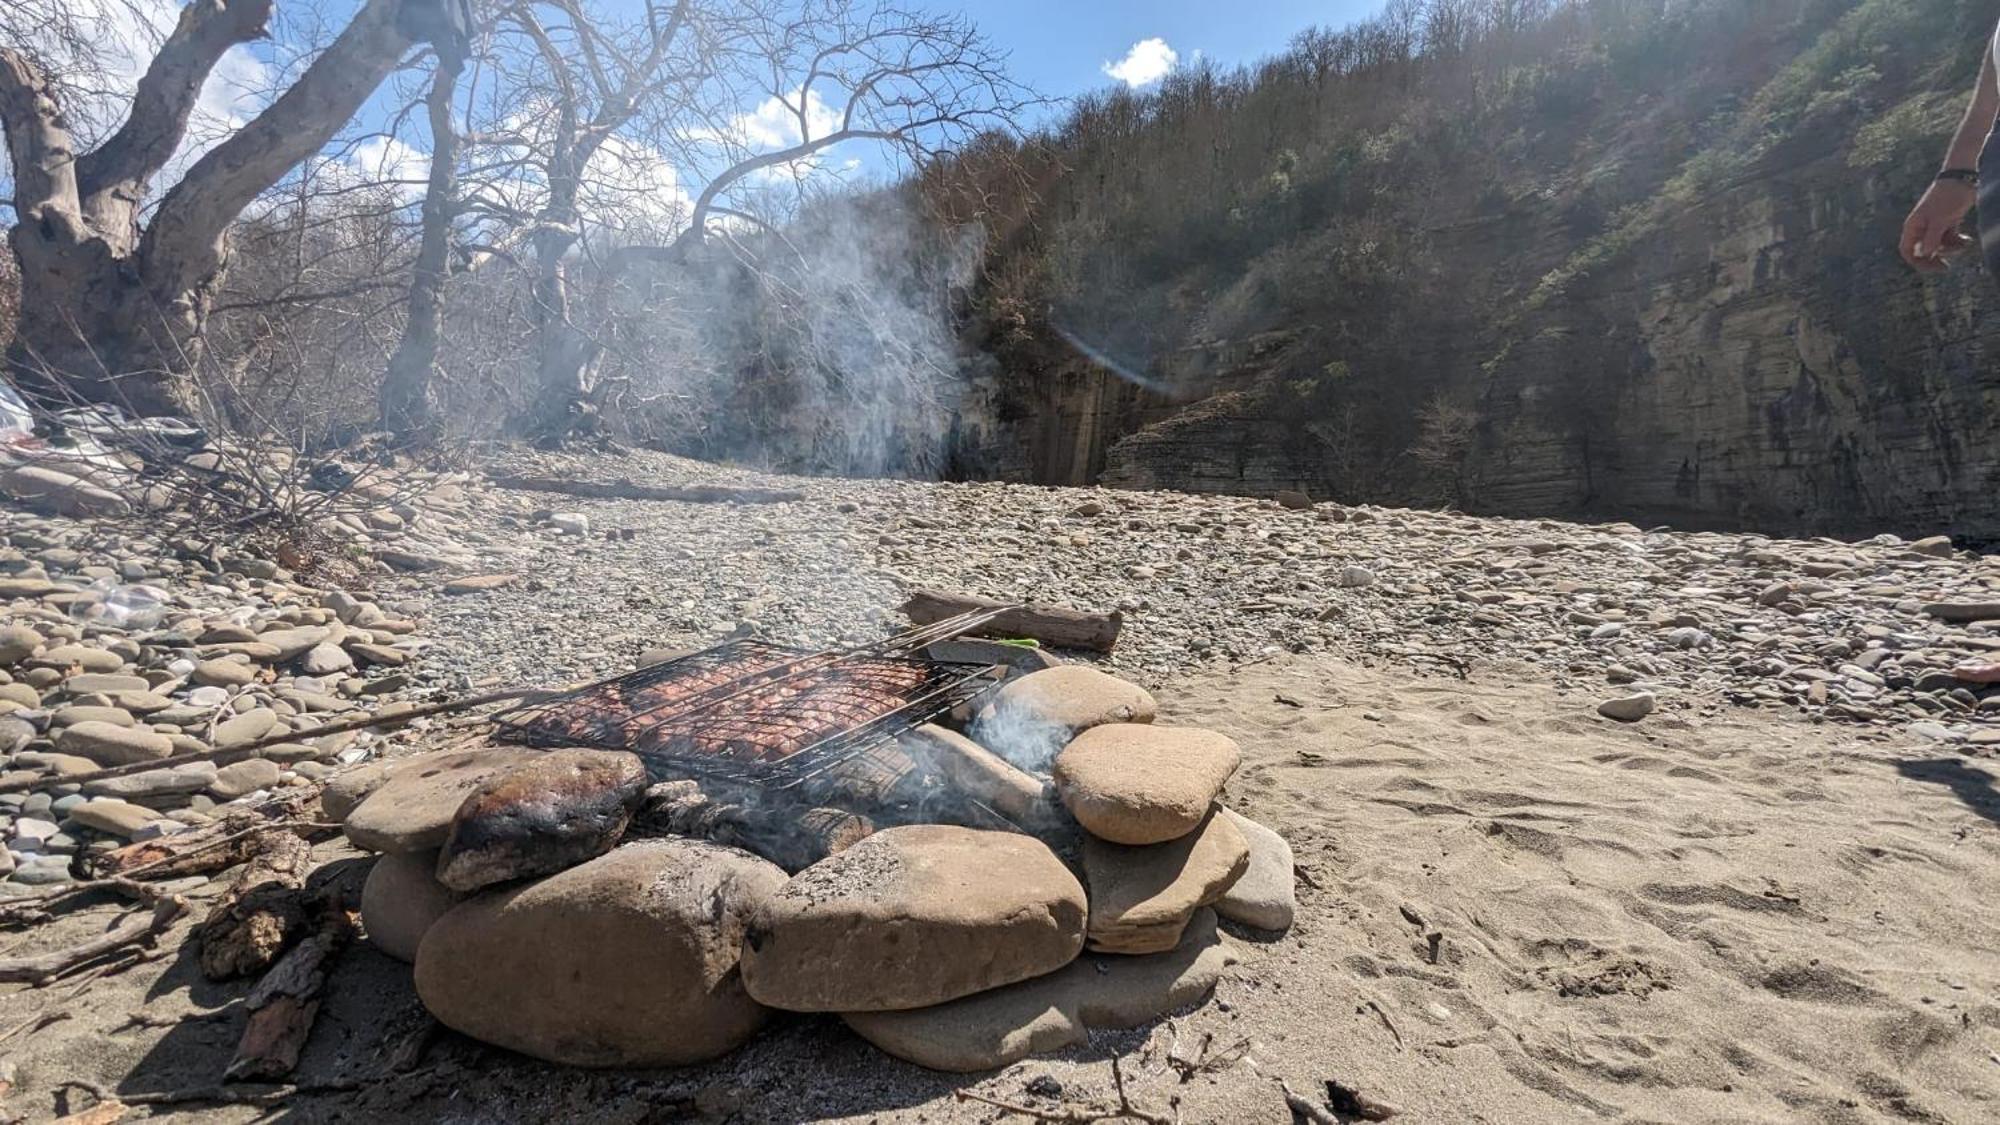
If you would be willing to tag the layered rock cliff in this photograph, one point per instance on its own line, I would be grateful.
(1670, 297)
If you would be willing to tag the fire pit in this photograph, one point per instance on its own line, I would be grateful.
(879, 864)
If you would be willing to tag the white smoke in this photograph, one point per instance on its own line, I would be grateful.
(1027, 738)
(826, 345)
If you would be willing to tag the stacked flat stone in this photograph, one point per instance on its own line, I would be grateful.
(1032, 717)
(474, 819)
(912, 917)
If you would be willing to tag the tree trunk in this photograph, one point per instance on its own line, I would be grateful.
(567, 358)
(406, 385)
(111, 314)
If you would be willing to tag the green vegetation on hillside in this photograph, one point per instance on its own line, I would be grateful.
(1456, 187)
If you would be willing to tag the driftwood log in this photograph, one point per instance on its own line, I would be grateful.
(1049, 624)
(285, 1003)
(630, 490)
(983, 775)
(261, 913)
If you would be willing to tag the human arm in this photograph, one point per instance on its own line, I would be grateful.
(1931, 232)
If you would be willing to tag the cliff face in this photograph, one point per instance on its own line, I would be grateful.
(1764, 361)
(1666, 292)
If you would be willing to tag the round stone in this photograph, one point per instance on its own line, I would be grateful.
(17, 643)
(411, 809)
(111, 745)
(914, 916)
(629, 960)
(991, 1029)
(1264, 898)
(1628, 709)
(1136, 783)
(1034, 716)
(400, 901)
(557, 811)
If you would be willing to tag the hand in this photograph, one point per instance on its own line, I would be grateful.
(1931, 234)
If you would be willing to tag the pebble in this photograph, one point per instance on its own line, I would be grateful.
(1629, 708)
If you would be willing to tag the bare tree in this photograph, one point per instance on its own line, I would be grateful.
(405, 399)
(112, 308)
(601, 128)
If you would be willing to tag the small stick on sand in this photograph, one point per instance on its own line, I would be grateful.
(1317, 1115)
(1077, 1115)
(46, 968)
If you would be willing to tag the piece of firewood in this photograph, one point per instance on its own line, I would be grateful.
(214, 847)
(136, 928)
(1050, 624)
(984, 776)
(285, 1003)
(261, 913)
(628, 490)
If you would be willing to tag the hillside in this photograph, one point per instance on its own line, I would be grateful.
(1602, 258)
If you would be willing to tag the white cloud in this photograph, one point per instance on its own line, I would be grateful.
(118, 39)
(387, 158)
(774, 124)
(1147, 62)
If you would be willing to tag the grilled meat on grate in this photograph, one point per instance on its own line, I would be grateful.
(781, 718)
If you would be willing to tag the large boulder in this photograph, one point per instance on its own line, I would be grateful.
(1034, 716)
(1004, 1025)
(563, 808)
(629, 960)
(1136, 783)
(401, 900)
(1264, 898)
(411, 809)
(914, 916)
(1142, 897)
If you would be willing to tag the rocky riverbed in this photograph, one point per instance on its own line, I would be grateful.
(1862, 633)
(1550, 786)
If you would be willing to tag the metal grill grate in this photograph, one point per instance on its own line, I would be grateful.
(756, 713)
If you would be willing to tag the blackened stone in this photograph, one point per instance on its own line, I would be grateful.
(552, 813)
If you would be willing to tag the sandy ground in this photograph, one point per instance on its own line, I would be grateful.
(1749, 919)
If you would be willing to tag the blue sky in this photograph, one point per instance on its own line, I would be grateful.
(1059, 46)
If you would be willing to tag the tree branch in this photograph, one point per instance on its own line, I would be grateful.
(113, 178)
(37, 140)
(183, 245)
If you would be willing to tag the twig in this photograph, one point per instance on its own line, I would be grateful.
(35, 908)
(1076, 1115)
(47, 967)
(35, 1022)
(216, 1095)
(1202, 1062)
(1386, 1021)
(1304, 1107)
